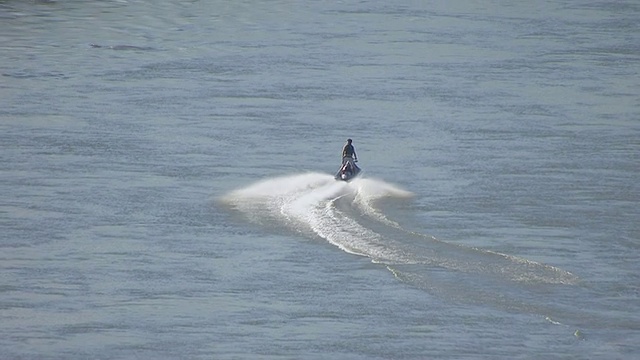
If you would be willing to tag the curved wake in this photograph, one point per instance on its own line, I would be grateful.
(345, 215)
(309, 202)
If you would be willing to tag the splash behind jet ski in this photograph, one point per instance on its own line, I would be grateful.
(348, 170)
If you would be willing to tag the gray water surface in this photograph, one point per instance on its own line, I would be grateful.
(167, 192)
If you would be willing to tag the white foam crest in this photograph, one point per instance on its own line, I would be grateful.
(368, 191)
(347, 234)
(279, 186)
(264, 200)
(301, 207)
(315, 209)
(374, 189)
(307, 201)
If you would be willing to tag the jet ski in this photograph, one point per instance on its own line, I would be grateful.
(348, 170)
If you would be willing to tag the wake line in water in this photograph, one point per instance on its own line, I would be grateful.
(345, 215)
(304, 202)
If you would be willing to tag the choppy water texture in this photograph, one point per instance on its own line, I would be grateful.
(166, 171)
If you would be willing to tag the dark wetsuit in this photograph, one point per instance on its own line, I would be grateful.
(348, 151)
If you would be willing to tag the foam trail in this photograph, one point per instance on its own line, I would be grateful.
(307, 201)
(345, 215)
(427, 250)
(263, 202)
(369, 191)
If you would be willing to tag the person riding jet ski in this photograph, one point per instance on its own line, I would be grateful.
(349, 153)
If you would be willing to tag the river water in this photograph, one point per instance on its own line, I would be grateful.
(166, 171)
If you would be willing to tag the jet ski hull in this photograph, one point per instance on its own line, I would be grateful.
(348, 176)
